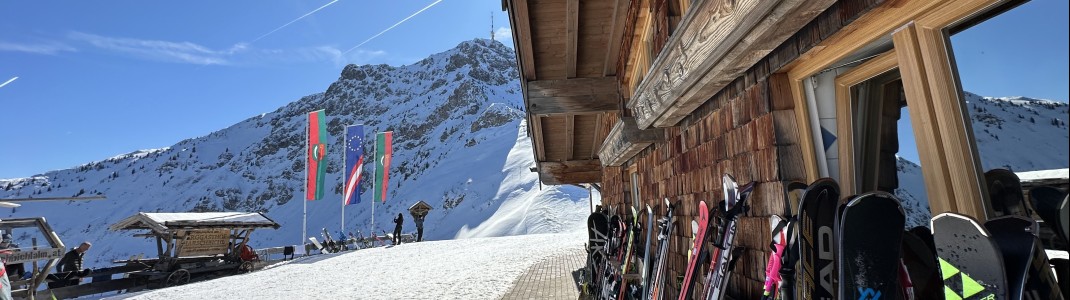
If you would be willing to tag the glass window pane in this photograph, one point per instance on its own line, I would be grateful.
(1014, 71)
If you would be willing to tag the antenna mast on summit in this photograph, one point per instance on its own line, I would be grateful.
(492, 26)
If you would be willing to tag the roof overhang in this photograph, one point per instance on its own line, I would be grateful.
(567, 53)
(165, 222)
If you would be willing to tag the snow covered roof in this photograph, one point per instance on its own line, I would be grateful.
(161, 222)
(1043, 174)
(420, 205)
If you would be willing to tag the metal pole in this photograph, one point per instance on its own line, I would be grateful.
(34, 271)
(345, 136)
(304, 210)
(375, 168)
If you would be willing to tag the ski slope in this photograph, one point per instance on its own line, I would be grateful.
(477, 268)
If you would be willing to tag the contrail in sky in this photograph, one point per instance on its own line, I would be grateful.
(295, 20)
(8, 81)
(392, 26)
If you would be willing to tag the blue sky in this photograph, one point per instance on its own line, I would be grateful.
(1022, 52)
(82, 81)
(101, 78)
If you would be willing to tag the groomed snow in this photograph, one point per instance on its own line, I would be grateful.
(1044, 174)
(477, 268)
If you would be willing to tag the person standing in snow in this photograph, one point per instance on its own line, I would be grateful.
(397, 229)
(419, 219)
(69, 270)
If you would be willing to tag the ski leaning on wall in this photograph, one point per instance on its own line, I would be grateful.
(780, 267)
(1016, 233)
(817, 215)
(666, 226)
(696, 248)
(919, 257)
(647, 264)
(971, 263)
(868, 244)
(735, 204)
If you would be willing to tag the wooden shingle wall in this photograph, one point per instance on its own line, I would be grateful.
(748, 130)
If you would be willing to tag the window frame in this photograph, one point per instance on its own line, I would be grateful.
(920, 32)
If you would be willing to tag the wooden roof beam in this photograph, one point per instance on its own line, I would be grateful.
(522, 36)
(573, 96)
(570, 172)
(570, 135)
(536, 135)
(616, 37)
(572, 20)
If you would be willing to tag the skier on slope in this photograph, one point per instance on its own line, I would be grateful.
(397, 229)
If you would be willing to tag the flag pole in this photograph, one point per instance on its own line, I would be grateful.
(345, 145)
(304, 202)
(376, 167)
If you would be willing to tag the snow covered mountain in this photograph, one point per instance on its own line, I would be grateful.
(459, 144)
(1016, 133)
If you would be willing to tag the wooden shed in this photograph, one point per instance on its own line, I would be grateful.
(654, 99)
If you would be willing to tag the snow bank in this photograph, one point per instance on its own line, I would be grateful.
(477, 268)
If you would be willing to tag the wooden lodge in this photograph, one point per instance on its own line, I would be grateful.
(656, 99)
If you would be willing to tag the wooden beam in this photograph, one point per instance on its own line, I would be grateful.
(953, 121)
(625, 140)
(572, 24)
(522, 24)
(537, 138)
(571, 165)
(572, 96)
(597, 135)
(570, 172)
(920, 105)
(616, 37)
(714, 46)
(806, 135)
(570, 135)
(571, 178)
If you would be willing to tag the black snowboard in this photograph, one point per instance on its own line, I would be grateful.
(1005, 193)
(922, 266)
(1051, 206)
(868, 246)
(817, 216)
(1016, 239)
(971, 264)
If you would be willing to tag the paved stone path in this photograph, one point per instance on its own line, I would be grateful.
(553, 278)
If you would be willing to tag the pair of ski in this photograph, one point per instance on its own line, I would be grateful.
(862, 236)
(1015, 233)
(723, 255)
(1001, 259)
(654, 286)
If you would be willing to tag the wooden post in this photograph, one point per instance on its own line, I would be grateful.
(35, 272)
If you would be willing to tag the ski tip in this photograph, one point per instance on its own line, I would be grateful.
(957, 217)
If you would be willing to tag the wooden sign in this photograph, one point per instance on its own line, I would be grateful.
(625, 140)
(31, 255)
(205, 242)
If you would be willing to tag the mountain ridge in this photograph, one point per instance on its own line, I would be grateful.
(452, 113)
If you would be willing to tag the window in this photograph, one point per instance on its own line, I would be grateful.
(1014, 69)
(849, 123)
